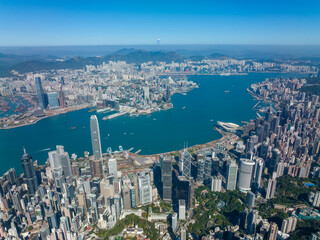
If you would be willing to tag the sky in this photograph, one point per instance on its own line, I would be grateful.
(118, 22)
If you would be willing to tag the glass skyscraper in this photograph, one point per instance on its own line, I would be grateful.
(29, 176)
(40, 93)
(95, 137)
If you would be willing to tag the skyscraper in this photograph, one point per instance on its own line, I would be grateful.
(272, 183)
(182, 209)
(96, 167)
(53, 100)
(145, 189)
(60, 159)
(29, 174)
(185, 164)
(245, 174)
(273, 232)
(40, 93)
(232, 172)
(95, 137)
(112, 167)
(166, 177)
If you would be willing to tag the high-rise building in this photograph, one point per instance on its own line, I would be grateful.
(182, 209)
(273, 232)
(29, 173)
(53, 100)
(95, 137)
(257, 173)
(252, 221)
(96, 167)
(60, 159)
(166, 177)
(145, 189)
(272, 184)
(185, 164)
(200, 170)
(40, 93)
(112, 167)
(174, 221)
(216, 183)
(183, 234)
(289, 224)
(232, 172)
(245, 174)
(250, 199)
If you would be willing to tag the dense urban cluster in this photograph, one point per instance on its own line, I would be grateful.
(127, 87)
(258, 182)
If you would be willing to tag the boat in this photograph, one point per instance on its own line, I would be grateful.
(183, 107)
(227, 91)
(102, 110)
(73, 127)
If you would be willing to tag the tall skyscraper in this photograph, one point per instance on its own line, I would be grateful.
(112, 167)
(96, 167)
(145, 189)
(245, 174)
(60, 159)
(272, 183)
(232, 172)
(29, 173)
(166, 177)
(95, 137)
(185, 164)
(40, 93)
(53, 100)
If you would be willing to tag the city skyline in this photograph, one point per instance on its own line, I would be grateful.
(55, 23)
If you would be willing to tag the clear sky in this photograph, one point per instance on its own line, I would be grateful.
(95, 22)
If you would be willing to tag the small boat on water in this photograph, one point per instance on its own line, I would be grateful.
(183, 107)
(227, 91)
(73, 127)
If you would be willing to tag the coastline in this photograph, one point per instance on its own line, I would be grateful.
(47, 116)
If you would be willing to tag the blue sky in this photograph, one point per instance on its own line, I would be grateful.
(66, 22)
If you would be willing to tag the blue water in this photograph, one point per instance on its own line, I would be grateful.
(155, 133)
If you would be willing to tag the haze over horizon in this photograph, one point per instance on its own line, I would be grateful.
(74, 23)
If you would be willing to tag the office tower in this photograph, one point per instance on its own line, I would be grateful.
(185, 163)
(274, 160)
(16, 201)
(216, 183)
(53, 100)
(252, 221)
(60, 159)
(232, 172)
(96, 167)
(245, 173)
(183, 234)
(75, 170)
(62, 102)
(126, 196)
(145, 189)
(207, 168)
(181, 188)
(250, 199)
(11, 176)
(44, 231)
(200, 170)
(40, 93)
(182, 209)
(273, 232)
(29, 174)
(166, 177)
(272, 184)
(174, 222)
(112, 167)
(257, 173)
(191, 193)
(95, 137)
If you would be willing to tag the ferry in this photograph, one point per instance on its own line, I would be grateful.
(102, 110)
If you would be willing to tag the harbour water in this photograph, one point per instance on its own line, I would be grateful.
(191, 120)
